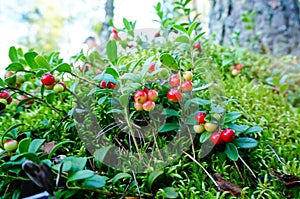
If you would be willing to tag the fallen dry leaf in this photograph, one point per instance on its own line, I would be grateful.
(47, 147)
(227, 186)
(287, 179)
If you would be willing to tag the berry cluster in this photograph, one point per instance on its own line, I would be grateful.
(52, 83)
(108, 85)
(174, 94)
(227, 135)
(144, 99)
(235, 70)
(202, 124)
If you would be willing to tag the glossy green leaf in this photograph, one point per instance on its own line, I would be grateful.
(204, 136)
(42, 62)
(244, 142)
(23, 145)
(192, 27)
(170, 192)
(231, 116)
(112, 53)
(13, 55)
(169, 61)
(182, 39)
(152, 177)
(64, 67)
(112, 72)
(231, 151)
(29, 57)
(180, 28)
(15, 66)
(123, 99)
(80, 175)
(120, 176)
(169, 127)
(253, 129)
(35, 145)
(96, 182)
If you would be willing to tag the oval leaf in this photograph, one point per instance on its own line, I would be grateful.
(169, 61)
(231, 151)
(253, 129)
(14, 67)
(42, 62)
(245, 142)
(111, 50)
(153, 176)
(64, 67)
(80, 175)
(95, 181)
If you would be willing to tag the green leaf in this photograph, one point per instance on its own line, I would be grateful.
(253, 129)
(64, 67)
(102, 100)
(24, 144)
(170, 113)
(131, 76)
(11, 80)
(13, 55)
(95, 182)
(111, 50)
(169, 61)
(170, 192)
(231, 151)
(123, 99)
(36, 145)
(180, 28)
(192, 27)
(204, 136)
(197, 37)
(152, 177)
(57, 146)
(182, 39)
(118, 111)
(109, 78)
(78, 163)
(29, 57)
(100, 154)
(246, 143)
(112, 72)
(67, 165)
(168, 127)
(2, 83)
(15, 66)
(126, 23)
(237, 128)
(120, 176)
(42, 62)
(231, 116)
(80, 175)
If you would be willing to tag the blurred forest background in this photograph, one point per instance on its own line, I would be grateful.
(269, 26)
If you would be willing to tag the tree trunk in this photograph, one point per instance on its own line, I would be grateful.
(109, 15)
(277, 25)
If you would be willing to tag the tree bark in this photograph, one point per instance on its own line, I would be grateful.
(109, 15)
(277, 23)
